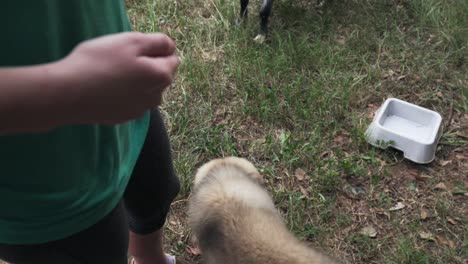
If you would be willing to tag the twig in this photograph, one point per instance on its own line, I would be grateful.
(450, 118)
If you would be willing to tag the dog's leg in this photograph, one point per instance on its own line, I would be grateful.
(264, 15)
(243, 11)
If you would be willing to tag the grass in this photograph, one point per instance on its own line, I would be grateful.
(304, 99)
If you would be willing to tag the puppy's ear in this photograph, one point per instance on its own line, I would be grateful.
(256, 176)
(205, 169)
(253, 173)
(246, 166)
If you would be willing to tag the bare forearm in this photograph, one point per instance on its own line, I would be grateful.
(106, 80)
(30, 99)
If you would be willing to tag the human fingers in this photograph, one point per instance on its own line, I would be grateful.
(156, 45)
(163, 68)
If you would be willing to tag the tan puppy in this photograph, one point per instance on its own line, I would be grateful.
(235, 221)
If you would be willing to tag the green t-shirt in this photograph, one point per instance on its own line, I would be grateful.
(58, 183)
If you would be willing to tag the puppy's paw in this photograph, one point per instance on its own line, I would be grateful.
(260, 39)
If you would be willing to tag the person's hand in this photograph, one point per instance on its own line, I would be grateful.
(116, 78)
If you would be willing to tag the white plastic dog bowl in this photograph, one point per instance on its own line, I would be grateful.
(406, 127)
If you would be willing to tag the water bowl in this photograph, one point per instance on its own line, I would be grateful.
(410, 128)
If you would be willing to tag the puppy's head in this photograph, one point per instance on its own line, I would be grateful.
(230, 162)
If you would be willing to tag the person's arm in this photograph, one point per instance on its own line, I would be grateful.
(105, 80)
(30, 99)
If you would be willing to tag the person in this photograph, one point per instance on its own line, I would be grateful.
(86, 172)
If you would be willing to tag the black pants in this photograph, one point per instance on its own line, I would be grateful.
(143, 209)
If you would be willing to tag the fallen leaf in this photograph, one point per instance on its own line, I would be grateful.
(193, 250)
(460, 134)
(371, 110)
(440, 186)
(426, 236)
(398, 206)
(304, 191)
(444, 163)
(459, 149)
(401, 77)
(300, 174)
(368, 231)
(339, 139)
(325, 154)
(416, 174)
(340, 40)
(461, 157)
(206, 14)
(424, 214)
(452, 221)
(441, 239)
(451, 243)
(421, 178)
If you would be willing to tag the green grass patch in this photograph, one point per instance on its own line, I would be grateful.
(304, 99)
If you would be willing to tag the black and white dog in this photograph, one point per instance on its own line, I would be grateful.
(265, 11)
